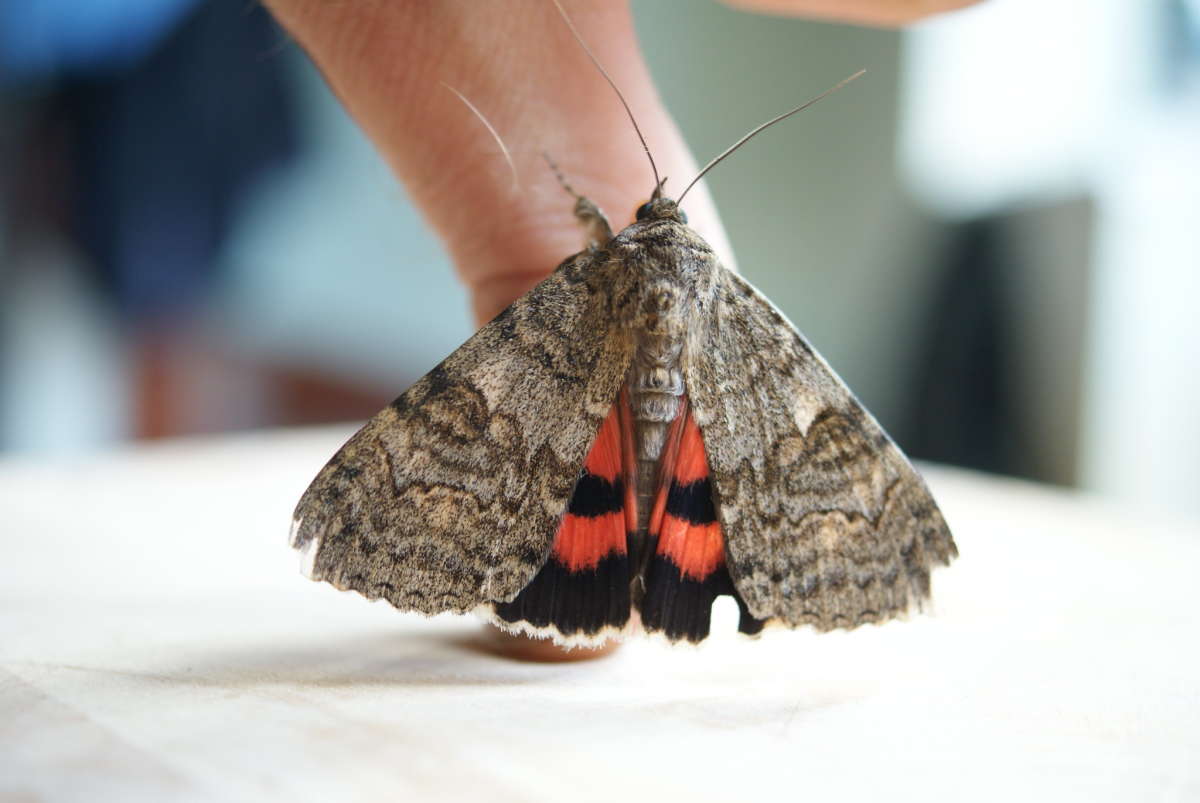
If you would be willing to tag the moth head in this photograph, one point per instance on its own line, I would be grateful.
(661, 208)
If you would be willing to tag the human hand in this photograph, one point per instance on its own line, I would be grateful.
(517, 63)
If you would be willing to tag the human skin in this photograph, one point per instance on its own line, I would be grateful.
(516, 61)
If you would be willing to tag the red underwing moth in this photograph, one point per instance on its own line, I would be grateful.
(638, 434)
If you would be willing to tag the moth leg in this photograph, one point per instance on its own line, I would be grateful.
(594, 222)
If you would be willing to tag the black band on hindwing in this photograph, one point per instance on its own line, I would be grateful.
(681, 607)
(693, 502)
(595, 496)
(574, 602)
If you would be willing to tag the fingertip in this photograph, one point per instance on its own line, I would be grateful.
(518, 647)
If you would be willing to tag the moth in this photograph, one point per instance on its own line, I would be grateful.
(640, 433)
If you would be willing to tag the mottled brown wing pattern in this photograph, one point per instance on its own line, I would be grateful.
(826, 522)
(450, 497)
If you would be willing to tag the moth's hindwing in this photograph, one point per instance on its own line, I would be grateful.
(686, 571)
(450, 497)
(826, 522)
(581, 594)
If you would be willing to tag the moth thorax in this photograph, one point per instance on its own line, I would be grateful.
(662, 311)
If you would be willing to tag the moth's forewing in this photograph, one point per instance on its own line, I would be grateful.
(450, 497)
(826, 522)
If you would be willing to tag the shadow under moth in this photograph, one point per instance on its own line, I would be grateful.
(638, 434)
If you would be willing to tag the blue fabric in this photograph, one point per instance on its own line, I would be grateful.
(46, 38)
(164, 151)
(157, 117)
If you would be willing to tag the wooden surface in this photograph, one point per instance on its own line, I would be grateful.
(157, 643)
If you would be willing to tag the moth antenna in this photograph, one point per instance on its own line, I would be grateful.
(607, 77)
(558, 174)
(766, 125)
(491, 130)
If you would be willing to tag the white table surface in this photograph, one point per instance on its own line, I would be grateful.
(157, 643)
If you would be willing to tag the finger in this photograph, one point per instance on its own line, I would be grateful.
(862, 12)
(541, 651)
(518, 64)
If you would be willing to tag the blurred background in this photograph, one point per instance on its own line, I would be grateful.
(994, 237)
